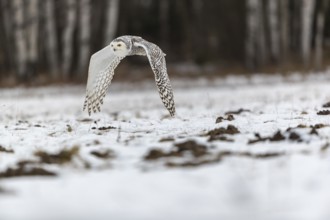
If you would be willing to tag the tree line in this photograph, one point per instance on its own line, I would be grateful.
(55, 38)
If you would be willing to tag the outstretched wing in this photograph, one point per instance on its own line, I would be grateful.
(101, 70)
(158, 65)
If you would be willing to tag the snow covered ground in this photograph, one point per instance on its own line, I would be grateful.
(266, 158)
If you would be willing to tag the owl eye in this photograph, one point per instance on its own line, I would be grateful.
(119, 45)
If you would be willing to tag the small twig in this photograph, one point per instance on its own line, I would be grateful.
(118, 136)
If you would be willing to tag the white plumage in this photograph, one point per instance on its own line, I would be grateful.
(104, 62)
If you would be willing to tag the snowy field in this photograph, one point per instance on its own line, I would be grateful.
(238, 148)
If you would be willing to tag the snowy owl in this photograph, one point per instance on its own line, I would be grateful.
(103, 63)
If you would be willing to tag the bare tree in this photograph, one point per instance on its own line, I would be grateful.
(8, 33)
(20, 38)
(85, 32)
(274, 28)
(51, 37)
(112, 20)
(33, 15)
(306, 35)
(252, 32)
(68, 36)
(284, 28)
(320, 20)
(163, 18)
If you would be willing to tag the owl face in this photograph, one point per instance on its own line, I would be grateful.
(119, 47)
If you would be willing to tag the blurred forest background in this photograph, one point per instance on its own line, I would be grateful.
(52, 40)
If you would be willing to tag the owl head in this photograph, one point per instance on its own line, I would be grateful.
(119, 47)
(122, 46)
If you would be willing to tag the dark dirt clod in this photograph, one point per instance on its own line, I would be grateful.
(167, 139)
(108, 154)
(251, 155)
(326, 105)
(196, 149)
(155, 154)
(221, 155)
(231, 129)
(314, 131)
(278, 136)
(4, 150)
(179, 150)
(237, 112)
(294, 136)
(106, 128)
(193, 163)
(314, 127)
(268, 155)
(24, 171)
(258, 139)
(228, 118)
(69, 128)
(219, 119)
(220, 138)
(318, 126)
(323, 112)
(64, 156)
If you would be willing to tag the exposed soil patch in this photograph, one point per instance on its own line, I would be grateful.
(237, 112)
(4, 150)
(106, 154)
(231, 130)
(229, 117)
(104, 128)
(222, 155)
(218, 134)
(179, 150)
(167, 139)
(326, 105)
(220, 138)
(193, 154)
(193, 163)
(278, 136)
(64, 156)
(323, 112)
(25, 169)
(313, 131)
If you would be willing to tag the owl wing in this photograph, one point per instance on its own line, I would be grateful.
(158, 65)
(101, 70)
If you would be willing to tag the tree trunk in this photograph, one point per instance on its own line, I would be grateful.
(252, 31)
(20, 38)
(262, 55)
(68, 37)
(164, 21)
(112, 20)
(84, 34)
(9, 40)
(306, 35)
(320, 20)
(51, 38)
(284, 29)
(274, 29)
(33, 15)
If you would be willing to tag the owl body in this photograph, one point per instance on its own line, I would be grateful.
(104, 62)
